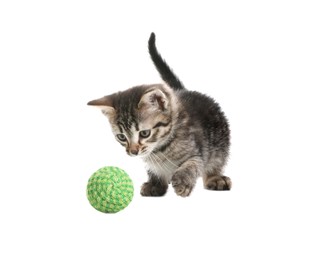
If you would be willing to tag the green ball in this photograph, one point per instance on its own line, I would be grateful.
(110, 189)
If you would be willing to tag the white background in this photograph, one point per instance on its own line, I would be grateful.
(264, 61)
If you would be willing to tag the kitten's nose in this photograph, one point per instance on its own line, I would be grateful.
(134, 152)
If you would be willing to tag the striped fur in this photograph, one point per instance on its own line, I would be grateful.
(180, 134)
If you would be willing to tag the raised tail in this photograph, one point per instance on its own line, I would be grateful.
(164, 70)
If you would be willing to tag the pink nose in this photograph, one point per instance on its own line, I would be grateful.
(134, 151)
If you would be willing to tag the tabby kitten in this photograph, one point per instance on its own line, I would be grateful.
(180, 134)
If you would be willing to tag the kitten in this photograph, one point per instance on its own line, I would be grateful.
(179, 134)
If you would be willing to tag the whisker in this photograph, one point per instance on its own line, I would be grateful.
(161, 166)
(160, 163)
(154, 161)
(164, 163)
(169, 160)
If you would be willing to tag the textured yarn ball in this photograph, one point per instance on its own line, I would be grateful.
(110, 189)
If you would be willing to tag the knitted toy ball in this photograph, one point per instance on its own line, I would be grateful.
(110, 189)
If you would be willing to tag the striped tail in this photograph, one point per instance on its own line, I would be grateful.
(164, 70)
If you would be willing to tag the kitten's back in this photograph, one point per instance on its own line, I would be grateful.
(204, 112)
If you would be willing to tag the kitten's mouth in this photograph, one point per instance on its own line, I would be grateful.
(140, 154)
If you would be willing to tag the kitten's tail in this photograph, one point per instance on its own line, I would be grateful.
(164, 70)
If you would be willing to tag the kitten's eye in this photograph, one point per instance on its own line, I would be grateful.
(144, 133)
(121, 137)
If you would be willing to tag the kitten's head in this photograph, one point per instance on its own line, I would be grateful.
(140, 117)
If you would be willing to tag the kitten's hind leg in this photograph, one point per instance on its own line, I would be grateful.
(217, 182)
(214, 180)
(154, 187)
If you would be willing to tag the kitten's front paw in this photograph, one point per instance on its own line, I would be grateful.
(153, 189)
(182, 184)
(217, 182)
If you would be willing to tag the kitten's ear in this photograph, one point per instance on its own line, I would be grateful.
(154, 99)
(105, 104)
